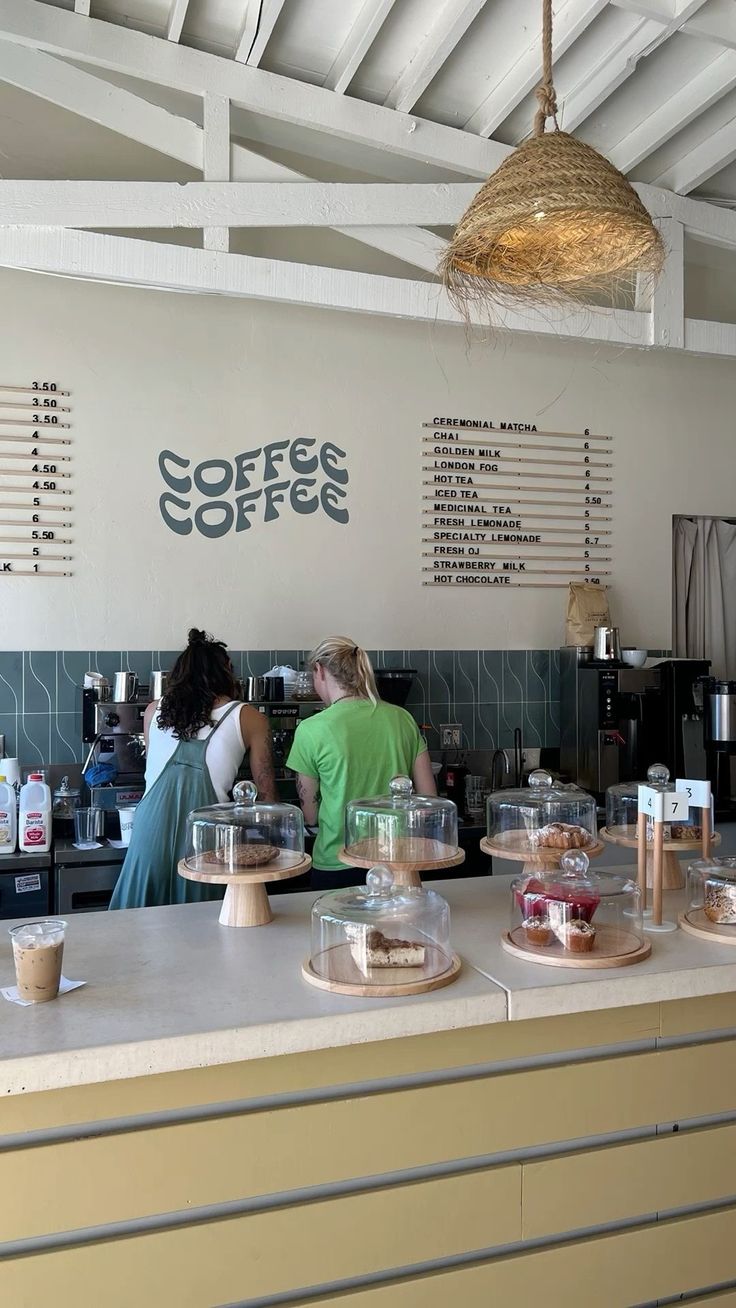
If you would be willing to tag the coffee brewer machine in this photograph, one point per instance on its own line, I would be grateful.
(719, 716)
(608, 716)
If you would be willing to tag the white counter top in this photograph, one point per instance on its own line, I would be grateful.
(680, 966)
(170, 989)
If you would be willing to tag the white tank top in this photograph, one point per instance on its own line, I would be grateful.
(224, 754)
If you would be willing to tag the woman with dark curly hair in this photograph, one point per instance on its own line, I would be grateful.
(196, 739)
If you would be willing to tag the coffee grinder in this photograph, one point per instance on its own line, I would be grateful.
(719, 731)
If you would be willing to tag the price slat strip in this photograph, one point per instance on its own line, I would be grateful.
(23, 490)
(7, 472)
(545, 476)
(563, 504)
(452, 582)
(533, 572)
(484, 554)
(35, 440)
(46, 558)
(500, 443)
(23, 422)
(15, 522)
(37, 408)
(26, 572)
(18, 540)
(33, 390)
(448, 461)
(505, 431)
(526, 517)
(59, 458)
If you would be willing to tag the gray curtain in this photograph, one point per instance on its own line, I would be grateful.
(704, 592)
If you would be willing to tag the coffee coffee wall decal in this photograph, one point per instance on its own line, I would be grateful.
(258, 486)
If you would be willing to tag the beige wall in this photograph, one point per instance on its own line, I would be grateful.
(211, 377)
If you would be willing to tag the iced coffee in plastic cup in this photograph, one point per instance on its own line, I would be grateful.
(38, 948)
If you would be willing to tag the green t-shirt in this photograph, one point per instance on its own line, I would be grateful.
(353, 749)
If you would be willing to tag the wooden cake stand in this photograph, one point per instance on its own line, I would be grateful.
(426, 856)
(614, 947)
(695, 922)
(246, 903)
(673, 877)
(514, 845)
(340, 973)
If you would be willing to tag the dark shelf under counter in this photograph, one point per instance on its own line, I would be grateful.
(65, 851)
(20, 861)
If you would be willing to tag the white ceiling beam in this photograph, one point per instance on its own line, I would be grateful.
(717, 151)
(261, 17)
(95, 99)
(447, 30)
(522, 58)
(688, 101)
(123, 260)
(717, 338)
(216, 161)
(177, 15)
(668, 294)
(350, 207)
(609, 70)
(109, 106)
(229, 204)
(107, 45)
(617, 63)
(358, 42)
(714, 21)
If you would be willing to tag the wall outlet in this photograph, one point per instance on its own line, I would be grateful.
(451, 735)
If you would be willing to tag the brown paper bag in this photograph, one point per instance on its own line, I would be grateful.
(587, 608)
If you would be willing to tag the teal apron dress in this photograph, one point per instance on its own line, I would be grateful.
(149, 878)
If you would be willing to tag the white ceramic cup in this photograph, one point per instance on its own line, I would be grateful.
(127, 816)
(10, 769)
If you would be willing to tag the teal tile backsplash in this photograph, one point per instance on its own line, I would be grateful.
(490, 692)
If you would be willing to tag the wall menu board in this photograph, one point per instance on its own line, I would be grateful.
(507, 504)
(35, 480)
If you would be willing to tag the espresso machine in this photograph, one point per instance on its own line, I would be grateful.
(608, 716)
(112, 726)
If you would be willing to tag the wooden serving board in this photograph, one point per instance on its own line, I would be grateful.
(697, 924)
(345, 978)
(614, 947)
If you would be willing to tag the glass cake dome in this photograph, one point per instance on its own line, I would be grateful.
(401, 827)
(571, 913)
(542, 818)
(244, 836)
(711, 887)
(380, 934)
(622, 808)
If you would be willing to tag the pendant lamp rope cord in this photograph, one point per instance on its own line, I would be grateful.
(546, 97)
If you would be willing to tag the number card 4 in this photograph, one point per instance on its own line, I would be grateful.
(664, 806)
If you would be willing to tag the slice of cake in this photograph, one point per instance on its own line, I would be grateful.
(373, 949)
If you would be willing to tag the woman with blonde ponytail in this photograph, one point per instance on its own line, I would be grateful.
(349, 751)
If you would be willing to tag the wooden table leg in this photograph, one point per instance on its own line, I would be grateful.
(246, 906)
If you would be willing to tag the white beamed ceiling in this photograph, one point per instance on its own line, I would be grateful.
(651, 83)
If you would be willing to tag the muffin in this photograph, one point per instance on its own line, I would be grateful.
(720, 903)
(538, 930)
(578, 936)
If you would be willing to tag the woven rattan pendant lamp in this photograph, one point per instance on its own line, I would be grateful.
(555, 221)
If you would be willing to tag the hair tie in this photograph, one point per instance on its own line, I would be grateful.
(355, 651)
